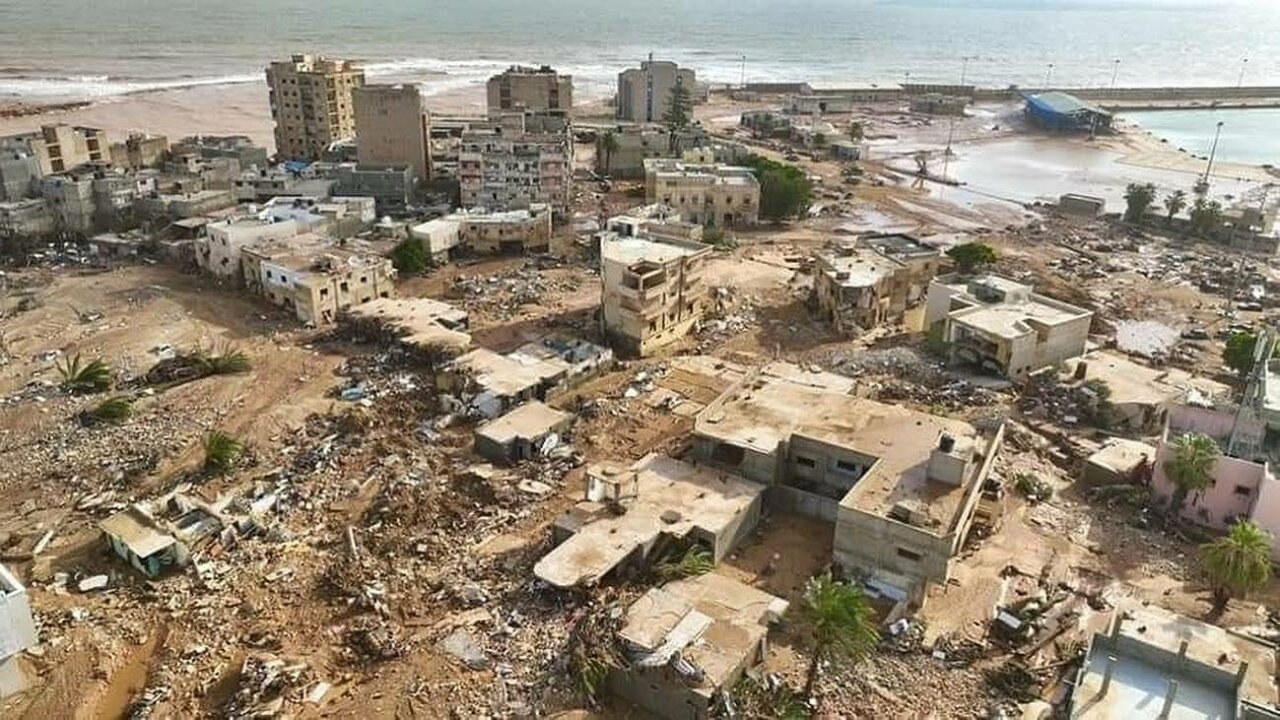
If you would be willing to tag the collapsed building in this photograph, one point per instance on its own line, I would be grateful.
(529, 431)
(314, 277)
(487, 383)
(904, 488)
(864, 283)
(1002, 326)
(654, 291)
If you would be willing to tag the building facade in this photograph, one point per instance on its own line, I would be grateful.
(1003, 327)
(59, 148)
(514, 161)
(530, 89)
(654, 291)
(314, 278)
(311, 104)
(644, 93)
(862, 284)
(19, 172)
(712, 195)
(17, 632)
(393, 128)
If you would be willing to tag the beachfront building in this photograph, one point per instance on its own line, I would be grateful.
(20, 172)
(60, 147)
(864, 283)
(314, 277)
(644, 93)
(311, 104)
(530, 89)
(653, 290)
(1002, 326)
(1059, 112)
(393, 128)
(707, 194)
(903, 487)
(238, 147)
(515, 160)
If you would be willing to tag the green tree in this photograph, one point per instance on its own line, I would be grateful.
(837, 623)
(1138, 198)
(971, 256)
(1174, 203)
(1191, 467)
(679, 114)
(1206, 216)
(1237, 563)
(409, 256)
(607, 147)
(783, 195)
(1239, 352)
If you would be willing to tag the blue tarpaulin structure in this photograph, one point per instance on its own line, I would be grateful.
(1060, 112)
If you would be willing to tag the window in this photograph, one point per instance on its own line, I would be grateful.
(910, 555)
(807, 462)
(849, 467)
(324, 292)
(1244, 490)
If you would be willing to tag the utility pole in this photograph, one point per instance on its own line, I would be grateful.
(1115, 72)
(906, 79)
(742, 83)
(964, 68)
(946, 154)
(1240, 80)
(1213, 151)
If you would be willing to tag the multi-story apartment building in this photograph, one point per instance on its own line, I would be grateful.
(393, 128)
(311, 104)
(530, 89)
(516, 160)
(858, 285)
(219, 251)
(1002, 326)
(654, 290)
(711, 195)
(60, 147)
(644, 93)
(513, 231)
(139, 150)
(19, 172)
(314, 277)
(27, 217)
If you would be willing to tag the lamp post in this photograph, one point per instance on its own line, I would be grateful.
(1213, 151)
(1115, 72)
(964, 68)
(1048, 75)
(742, 82)
(1240, 80)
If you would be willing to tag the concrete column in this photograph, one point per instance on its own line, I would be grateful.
(1244, 668)
(1106, 676)
(1169, 696)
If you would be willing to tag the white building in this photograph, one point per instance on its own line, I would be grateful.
(17, 632)
(218, 252)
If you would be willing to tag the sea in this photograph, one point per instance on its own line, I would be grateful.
(1249, 136)
(72, 49)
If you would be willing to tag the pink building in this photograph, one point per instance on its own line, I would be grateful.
(1241, 489)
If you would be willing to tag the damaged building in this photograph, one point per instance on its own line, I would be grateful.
(665, 500)
(654, 291)
(483, 232)
(688, 642)
(143, 542)
(902, 487)
(864, 283)
(713, 195)
(529, 431)
(314, 277)
(419, 323)
(17, 632)
(1003, 327)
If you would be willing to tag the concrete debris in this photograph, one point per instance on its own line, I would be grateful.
(462, 645)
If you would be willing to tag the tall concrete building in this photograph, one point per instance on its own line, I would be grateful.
(514, 161)
(540, 90)
(393, 128)
(59, 148)
(311, 103)
(644, 93)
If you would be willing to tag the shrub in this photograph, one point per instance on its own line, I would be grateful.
(78, 379)
(221, 452)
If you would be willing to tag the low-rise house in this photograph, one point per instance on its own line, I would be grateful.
(582, 359)
(1002, 326)
(1153, 663)
(688, 643)
(655, 221)
(1140, 396)
(767, 123)
(654, 291)
(219, 249)
(1119, 460)
(479, 231)
(314, 277)
(143, 542)
(177, 206)
(902, 487)
(938, 104)
(17, 632)
(863, 284)
(427, 326)
(117, 246)
(633, 144)
(711, 195)
(238, 147)
(1085, 206)
(489, 384)
(529, 431)
(258, 186)
(27, 217)
(663, 498)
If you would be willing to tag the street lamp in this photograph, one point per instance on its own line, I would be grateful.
(1048, 76)
(1115, 72)
(1243, 64)
(964, 68)
(743, 81)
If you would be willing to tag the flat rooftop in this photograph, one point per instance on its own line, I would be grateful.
(1121, 455)
(1133, 382)
(418, 321)
(505, 375)
(714, 622)
(1146, 651)
(898, 245)
(630, 250)
(138, 531)
(861, 268)
(530, 421)
(1009, 319)
(672, 498)
(785, 400)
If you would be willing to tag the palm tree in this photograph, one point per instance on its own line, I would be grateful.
(609, 146)
(78, 379)
(1191, 467)
(1174, 203)
(1237, 563)
(221, 452)
(837, 621)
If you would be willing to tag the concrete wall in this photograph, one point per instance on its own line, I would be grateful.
(1234, 490)
(17, 629)
(392, 128)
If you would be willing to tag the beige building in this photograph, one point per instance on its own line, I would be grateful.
(59, 148)
(479, 231)
(218, 251)
(314, 277)
(902, 487)
(540, 90)
(861, 284)
(514, 161)
(140, 150)
(1002, 326)
(644, 93)
(311, 104)
(654, 291)
(711, 195)
(393, 128)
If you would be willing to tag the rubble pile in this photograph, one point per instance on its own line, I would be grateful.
(501, 295)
